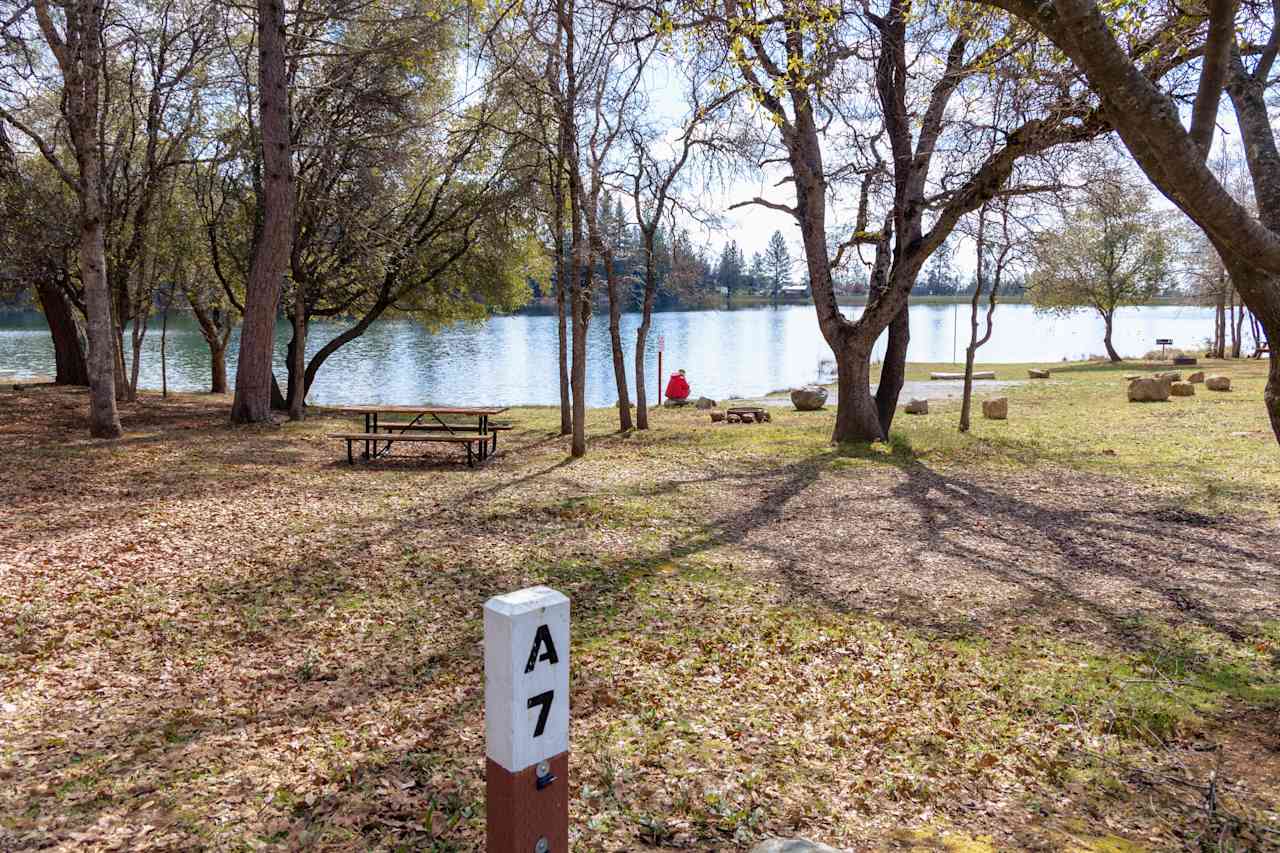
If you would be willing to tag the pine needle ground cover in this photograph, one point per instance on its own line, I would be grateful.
(1061, 632)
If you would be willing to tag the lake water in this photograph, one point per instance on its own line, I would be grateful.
(512, 360)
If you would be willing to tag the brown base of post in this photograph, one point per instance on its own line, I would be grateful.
(519, 814)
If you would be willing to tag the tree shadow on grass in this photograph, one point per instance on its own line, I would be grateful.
(158, 744)
(1092, 560)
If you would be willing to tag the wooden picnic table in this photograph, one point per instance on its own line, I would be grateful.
(428, 419)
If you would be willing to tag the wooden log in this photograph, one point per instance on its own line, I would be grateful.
(983, 374)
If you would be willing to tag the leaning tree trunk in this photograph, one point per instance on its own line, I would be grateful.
(271, 250)
(279, 402)
(68, 354)
(347, 336)
(893, 371)
(1257, 289)
(1109, 319)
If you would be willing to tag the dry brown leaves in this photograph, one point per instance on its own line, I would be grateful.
(227, 638)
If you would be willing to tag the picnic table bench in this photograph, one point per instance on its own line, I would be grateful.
(1263, 349)
(474, 444)
(427, 425)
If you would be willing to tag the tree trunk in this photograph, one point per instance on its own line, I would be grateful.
(980, 281)
(1236, 319)
(333, 345)
(164, 341)
(217, 368)
(1220, 324)
(581, 305)
(1238, 345)
(1109, 319)
(1271, 395)
(68, 353)
(292, 377)
(971, 350)
(562, 323)
(857, 415)
(82, 70)
(298, 358)
(615, 343)
(104, 420)
(271, 249)
(122, 378)
(893, 371)
(279, 402)
(642, 333)
(137, 334)
(966, 400)
(1259, 292)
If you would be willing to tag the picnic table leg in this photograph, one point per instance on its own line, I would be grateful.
(351, 460)
(367, 426)
(386, 451)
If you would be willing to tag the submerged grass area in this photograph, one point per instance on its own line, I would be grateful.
(228, 638)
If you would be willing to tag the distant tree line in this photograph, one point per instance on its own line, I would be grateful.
(687, 274)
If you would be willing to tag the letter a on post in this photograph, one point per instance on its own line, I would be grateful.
(526, 677)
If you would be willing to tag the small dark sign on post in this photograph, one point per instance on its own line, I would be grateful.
(526, 721)
(1163, 343)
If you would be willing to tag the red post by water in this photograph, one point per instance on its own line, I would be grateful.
(526, 720)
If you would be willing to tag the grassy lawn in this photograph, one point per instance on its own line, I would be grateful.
(1060, 632)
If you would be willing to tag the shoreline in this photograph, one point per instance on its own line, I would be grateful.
(917, 385)
(539, 306)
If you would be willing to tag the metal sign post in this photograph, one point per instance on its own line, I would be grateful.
(526, 721)
(1164, 343)
(662, 344)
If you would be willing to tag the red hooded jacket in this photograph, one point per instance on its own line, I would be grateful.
(677, 388)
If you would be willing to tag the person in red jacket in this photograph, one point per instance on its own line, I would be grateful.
(678, 387)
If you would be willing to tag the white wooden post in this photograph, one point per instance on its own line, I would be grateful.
(526, 721)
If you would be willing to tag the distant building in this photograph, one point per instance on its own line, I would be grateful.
(795, 290)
